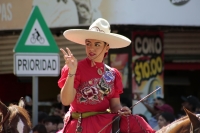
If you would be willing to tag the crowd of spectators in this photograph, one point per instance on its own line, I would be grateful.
(162, 113)
(52, 121)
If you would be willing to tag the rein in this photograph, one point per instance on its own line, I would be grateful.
(3, 121)
(130, 108)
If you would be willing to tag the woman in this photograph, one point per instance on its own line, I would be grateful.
(90, 87)
(165, 118)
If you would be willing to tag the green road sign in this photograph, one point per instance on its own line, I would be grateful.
(36, 36)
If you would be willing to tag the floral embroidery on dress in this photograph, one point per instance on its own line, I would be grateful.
(95, 90)
(89, 93)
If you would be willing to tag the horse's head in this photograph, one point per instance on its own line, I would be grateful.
(187, 124)
(195, 122)
(14, 119)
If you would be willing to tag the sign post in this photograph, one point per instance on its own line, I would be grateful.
(36, 54)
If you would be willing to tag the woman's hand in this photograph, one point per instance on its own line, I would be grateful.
(124, 111)
(70, 60)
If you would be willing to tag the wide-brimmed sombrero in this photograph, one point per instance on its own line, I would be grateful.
(99, 30)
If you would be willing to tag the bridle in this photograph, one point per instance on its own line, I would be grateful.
(2, 124)
(196, 130)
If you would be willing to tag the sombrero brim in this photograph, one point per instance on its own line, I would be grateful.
(80, 35)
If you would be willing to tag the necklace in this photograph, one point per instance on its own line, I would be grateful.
(99, 70)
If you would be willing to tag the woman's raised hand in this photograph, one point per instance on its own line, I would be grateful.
(70, 60)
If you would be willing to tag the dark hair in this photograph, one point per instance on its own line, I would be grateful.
(161, 99)
(57, 105)
(126, 101)
(144, 117)
(192, 100)
(40, 128)
(42, 116)
(169, 117)
(53, 119)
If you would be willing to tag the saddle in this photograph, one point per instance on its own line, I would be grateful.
(116, 125)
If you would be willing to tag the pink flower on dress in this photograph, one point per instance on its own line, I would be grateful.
(89, 92)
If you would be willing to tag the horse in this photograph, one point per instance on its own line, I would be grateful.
(187, 124)
(14, 118)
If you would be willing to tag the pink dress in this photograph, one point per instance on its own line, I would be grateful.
(94, 92)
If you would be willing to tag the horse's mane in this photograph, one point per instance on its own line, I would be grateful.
(174, 122)
(16, 110)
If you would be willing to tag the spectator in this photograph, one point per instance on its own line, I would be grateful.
(57, 110)
(165, 118)
(157, 102)
(190, 103)
(159, 106)
(153, 121)
(164, 108)
(41, 117)
(51, 123)
(39, 128)
(60, 124)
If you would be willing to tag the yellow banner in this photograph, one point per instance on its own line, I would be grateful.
(147, 63)
(148, 66)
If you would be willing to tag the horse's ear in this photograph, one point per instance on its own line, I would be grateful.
(22, 102)
(3, 108)
(193, 118)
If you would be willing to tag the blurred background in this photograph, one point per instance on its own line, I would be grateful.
(165, 49)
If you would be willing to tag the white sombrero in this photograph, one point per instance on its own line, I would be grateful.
(99, 30)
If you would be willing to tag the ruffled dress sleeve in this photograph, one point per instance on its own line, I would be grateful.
(64, 74)
(118, 86)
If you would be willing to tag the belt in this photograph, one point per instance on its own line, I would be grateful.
(76, 115)
(79, 116)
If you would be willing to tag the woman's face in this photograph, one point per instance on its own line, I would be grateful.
(96, 49)
(162, 121)
(158, 102)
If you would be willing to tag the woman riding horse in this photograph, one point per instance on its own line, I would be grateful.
(91, 87)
